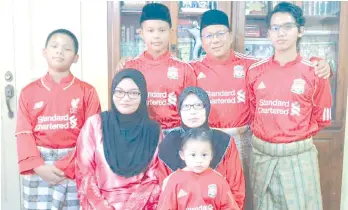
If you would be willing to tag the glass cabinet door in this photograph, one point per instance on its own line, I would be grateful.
(131, 42)
(320, 39)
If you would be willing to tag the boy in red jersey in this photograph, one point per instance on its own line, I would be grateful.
(196, 186)
(289, 105)
(51, 112)
(165, 75)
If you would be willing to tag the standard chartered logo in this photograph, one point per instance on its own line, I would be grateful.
(172, 98)
(295, 108)
(56, 122)
(227, 96)
(161, 99)
(241, 96)
(278, 107)
(73, 121)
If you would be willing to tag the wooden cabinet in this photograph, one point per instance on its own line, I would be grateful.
(326, 27)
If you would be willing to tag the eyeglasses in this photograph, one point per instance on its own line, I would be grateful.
(131, 94)
(222, 35)
(198, 106)
(286, 27)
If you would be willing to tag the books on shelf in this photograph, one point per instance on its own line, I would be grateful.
(131, 42)
(315, 8)
(197, 6)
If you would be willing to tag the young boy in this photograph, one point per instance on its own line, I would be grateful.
(166, 76)
(51, 112)
(286, 113)
(196, 186)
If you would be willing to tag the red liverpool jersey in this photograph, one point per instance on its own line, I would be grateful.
(185, 190)
(226, 87)
(288, 103)
(165, 77)
(51, 115)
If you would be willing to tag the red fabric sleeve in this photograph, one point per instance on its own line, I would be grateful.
(149, 189)
(228, 201)
(190, 76)
(67, 163)
(88, 191)
(168, 198)
(322, 102)
(250, 95)
(162, 172)
(92, 104)
(28, 154)
(235, 176)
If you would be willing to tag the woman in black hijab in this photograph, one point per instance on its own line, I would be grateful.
(194, 109)
(117, 150)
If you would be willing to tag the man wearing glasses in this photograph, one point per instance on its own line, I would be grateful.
(289, 104)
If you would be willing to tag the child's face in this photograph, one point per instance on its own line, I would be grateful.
(60, 53)
(197, 155)
(155, 34)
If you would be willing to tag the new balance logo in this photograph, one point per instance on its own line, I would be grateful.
(261, 86)
(201, 75)
(38, 105)
(182, 193)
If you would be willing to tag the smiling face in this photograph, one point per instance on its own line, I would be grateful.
(127, 96)
(216, 41)
(60, 53)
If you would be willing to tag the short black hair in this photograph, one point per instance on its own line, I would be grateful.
(201, 134)
(292, 9)
(65, 32)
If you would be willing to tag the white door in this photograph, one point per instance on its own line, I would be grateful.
(25, 25)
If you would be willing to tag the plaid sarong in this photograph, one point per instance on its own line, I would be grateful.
(39, 195)
(285, 176)
(243, 143)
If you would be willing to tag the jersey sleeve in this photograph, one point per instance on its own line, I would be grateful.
(235, 176)
(28, 154)
(92, 103)
(250, 94)
(227, 200)
(190, 76)
(322, 102)
(168, 197)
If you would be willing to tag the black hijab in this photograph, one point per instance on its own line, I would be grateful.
(129, 140)
(169, 148)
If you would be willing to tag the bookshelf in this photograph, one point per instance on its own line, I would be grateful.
(185, 26)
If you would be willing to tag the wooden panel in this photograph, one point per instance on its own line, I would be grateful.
(238, 23)
(114, 41)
